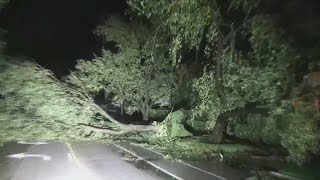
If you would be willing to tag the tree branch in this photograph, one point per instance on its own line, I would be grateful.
(106, 115)
(126, 129)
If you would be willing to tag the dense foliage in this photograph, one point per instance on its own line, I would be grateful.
(230, 62)
(34, 104)
(138, 72)
(252, 72)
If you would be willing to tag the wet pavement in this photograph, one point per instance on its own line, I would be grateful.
(69, 161)
(94, 161)
(187, 170)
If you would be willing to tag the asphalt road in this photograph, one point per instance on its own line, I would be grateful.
(70, 161)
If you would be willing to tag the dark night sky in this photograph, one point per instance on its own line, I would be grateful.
(56, 32)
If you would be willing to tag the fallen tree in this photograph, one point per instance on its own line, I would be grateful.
(126, 129)
(33, 92)
(121, 129)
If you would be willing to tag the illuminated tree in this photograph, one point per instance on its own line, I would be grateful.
(138, 72)
(253, 67)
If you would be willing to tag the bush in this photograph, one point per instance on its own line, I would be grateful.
(258, 129)
(299, 131)
(295, 129)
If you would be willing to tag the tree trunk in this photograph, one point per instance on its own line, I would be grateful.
(218, 69)
(170, 99)
(220, 126)
(219, 129)
(105, 114)
(106, 95)
(217, 136)
(218, 59)
(125, 130)
(122, 108)
(106, 98)
(145, 112)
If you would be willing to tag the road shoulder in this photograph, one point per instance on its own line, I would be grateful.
(178, 169)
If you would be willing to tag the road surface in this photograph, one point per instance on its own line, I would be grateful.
(94, 161)
(68, 161)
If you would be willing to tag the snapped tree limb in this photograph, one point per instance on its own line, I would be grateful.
(126, 129)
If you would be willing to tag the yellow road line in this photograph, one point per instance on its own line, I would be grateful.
(73, 156)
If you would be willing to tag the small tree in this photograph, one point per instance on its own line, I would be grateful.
(138, 72)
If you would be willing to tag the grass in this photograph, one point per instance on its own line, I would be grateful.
(235, 155)
(197, 145)
(194, 149)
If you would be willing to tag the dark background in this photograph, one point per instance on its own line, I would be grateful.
(58, 32)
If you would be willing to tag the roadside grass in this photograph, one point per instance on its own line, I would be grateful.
(234, 155)
(194, 149)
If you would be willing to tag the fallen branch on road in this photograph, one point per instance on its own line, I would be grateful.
(126, 129)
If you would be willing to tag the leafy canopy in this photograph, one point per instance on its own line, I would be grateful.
(258, 66)
(137, 72)
(34, 104)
